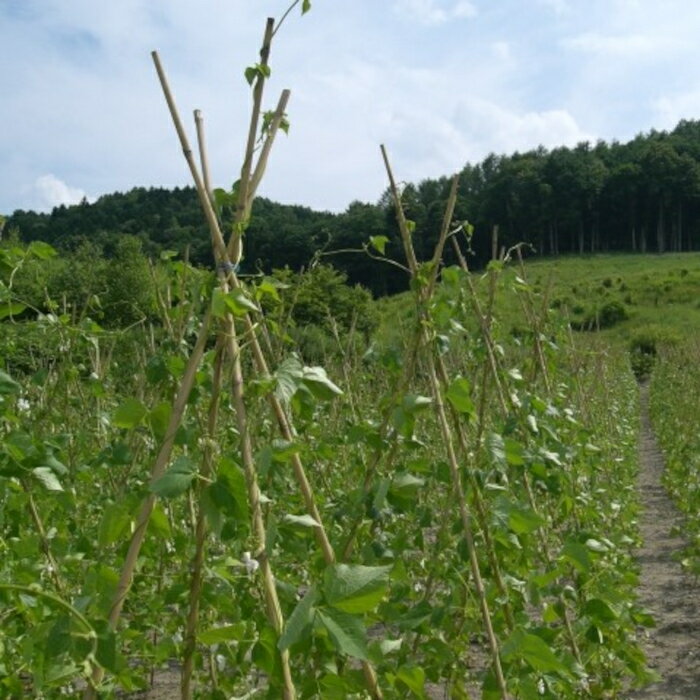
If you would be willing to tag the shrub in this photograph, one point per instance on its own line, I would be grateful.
(606, 315)
(644, 347)
(129, 295)
(321, 293)
(611, 313)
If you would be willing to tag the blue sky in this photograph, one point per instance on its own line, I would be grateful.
(440, 82)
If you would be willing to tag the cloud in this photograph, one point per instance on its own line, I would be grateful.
(620, 44)
(495, 128)
(670, 109)
(436, 80)
(435, 12)
(51, 192)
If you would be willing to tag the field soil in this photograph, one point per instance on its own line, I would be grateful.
(673, 597)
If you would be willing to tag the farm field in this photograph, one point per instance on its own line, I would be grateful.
(456, 488)
(228, 481)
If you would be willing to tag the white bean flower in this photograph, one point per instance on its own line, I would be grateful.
(251, 565)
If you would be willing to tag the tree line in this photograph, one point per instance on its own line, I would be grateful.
(639, 196)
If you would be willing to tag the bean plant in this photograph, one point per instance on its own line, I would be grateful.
(448, 512)
(675, 418)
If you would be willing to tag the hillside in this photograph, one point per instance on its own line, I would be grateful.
(641, 196)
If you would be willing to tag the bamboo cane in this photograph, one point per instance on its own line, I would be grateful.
(446, 432)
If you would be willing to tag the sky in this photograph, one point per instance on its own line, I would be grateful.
(440, 82)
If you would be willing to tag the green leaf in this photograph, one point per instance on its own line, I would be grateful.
(287, 377)
(265, 655)
(414, 678)
(412, 403)
(129, 414)
(222, 198)
(305, 6)
(239, 303)
(533, 650)
(299, 621)
(258, 70)
(47, 478)
(388, 646)
(577, 555)
(159, 418)
(379, 243)
(459, 395)
(176, 480)
(599, 610)
(11, 309)
(347, 632)
(596, 546)
(250, 73)
(318, 383)
(217, 635)
(229, 492)
(301, 520)
(41, 250)
(235, 302)
(7, 384)
(61, 672)
(158, 524)
(355, 588)
(523, 520)
(497, 446)
(106, 653)
(115, 520)
(404, 488)
(514, 452)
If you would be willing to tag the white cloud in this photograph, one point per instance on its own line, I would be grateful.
(620, 44)
(51, 192)
(438, 89)
(493, 127)
(435, 12)
(670, 109)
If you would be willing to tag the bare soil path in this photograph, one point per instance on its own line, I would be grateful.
(673, 646)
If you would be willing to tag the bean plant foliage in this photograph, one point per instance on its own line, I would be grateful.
(446, 511)
(677, 425)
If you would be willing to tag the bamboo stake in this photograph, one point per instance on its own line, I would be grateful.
(217, 241)
(203, 160)
(228, 275)
(225, 269)
(446, 432)
(127, 573)
(267, 146)
(190, 637)
(244, 201)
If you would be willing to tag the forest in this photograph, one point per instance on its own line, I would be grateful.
(640, 196)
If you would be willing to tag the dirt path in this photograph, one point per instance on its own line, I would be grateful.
(673, 646)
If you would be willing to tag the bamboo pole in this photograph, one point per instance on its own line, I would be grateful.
(162, 459)
(224, 271)
(448, 440)
(227, 275)
(190, 636)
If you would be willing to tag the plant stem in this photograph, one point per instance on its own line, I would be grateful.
(190, 637)
(179, 405)
(448, 443)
